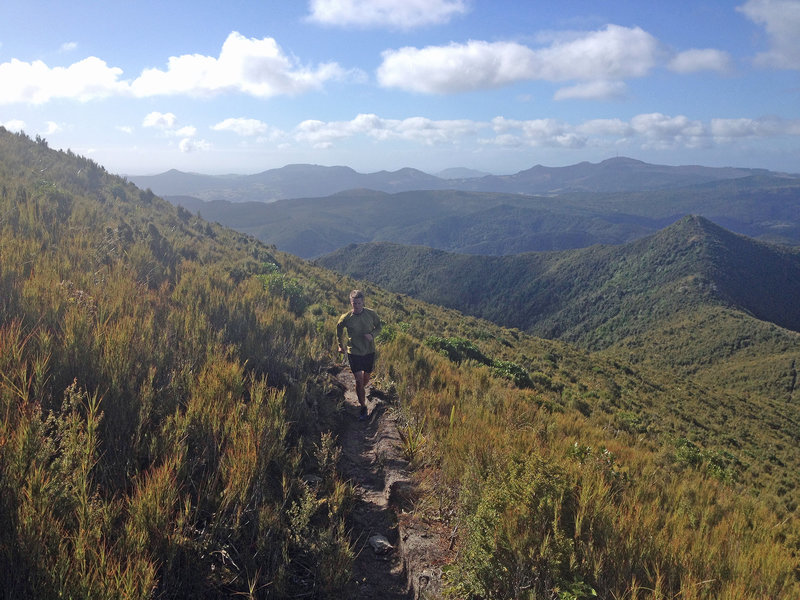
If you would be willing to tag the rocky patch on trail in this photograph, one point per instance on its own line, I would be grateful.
(398, 554)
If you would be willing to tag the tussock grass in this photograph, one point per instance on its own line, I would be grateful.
(549, 502)
(150, 387)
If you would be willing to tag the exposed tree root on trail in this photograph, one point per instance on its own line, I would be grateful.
(397, 555)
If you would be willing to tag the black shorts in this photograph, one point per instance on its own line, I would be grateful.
(359, 362)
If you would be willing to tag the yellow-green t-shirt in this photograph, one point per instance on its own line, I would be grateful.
(357, 326)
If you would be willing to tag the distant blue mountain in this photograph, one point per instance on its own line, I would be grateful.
(312, 181)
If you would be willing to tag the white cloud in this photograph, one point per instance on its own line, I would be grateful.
(166, 122)
(781, 19)
(14, 125)
(247, 65)
(663, 131)
(189, 145)
(160, 120)
(457, 67)
(241, 126)
(52, 127)
(257, 67)
(706, 59)
(188, 131)
(731, 129)
(592, 90)
(36, 83)
(611, 53)
(402, 14)
(125, 129)
(322, 134)
(432, 132)
(658, 125)
(507, 140)
(605, 127)
(603, 58)
(536, 132)
(68, 46)
(651, 131)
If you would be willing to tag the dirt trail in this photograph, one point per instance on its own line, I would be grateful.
(373, 462)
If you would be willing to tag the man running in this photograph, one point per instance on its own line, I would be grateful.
(362, 326)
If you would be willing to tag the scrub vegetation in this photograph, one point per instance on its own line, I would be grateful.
(160, 423)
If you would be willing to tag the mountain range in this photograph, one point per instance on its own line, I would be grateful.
(764, 206)
(303, 181)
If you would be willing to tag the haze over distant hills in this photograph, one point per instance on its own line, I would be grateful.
(461, 173)
(762, 205)
(302, 181)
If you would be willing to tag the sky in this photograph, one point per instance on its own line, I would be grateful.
(493, 85)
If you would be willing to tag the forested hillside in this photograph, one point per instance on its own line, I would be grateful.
(693, 299)
(596, 295)
(169, 423)
(763, 206)
(486, 223)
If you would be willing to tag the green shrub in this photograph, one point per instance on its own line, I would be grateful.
(630, 422)
(719, 464)
(387, 334)
(687, 453)
(289, 288)
(457, 349)
(516, 544)
(510, 370)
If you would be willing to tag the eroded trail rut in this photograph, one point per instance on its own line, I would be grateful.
(369, 450)
(373, 462)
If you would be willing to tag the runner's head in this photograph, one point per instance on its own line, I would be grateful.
(357, 301)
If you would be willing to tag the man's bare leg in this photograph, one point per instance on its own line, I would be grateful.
(362, 380)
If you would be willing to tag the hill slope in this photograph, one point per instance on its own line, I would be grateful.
(468, 222)
(612, 175)
(763, 206)
(170, 423)
(154, 372)
(574, 295)
(734, 297)
(291, 181)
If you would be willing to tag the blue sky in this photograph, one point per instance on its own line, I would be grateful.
(244, 86)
